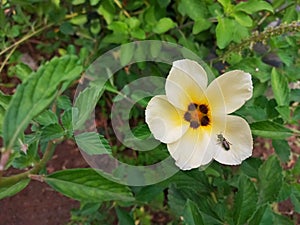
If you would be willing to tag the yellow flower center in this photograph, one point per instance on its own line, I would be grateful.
(197, 115)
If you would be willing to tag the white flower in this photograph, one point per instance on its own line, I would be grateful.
(192, 118)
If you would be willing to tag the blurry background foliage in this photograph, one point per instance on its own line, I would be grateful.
(257, 36)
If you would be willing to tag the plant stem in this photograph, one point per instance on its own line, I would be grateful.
(26, 37)
(260, 37)
(7, 58)
(121, 7)
(6, 181)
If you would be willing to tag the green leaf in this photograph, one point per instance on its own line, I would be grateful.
(200, 25)
(71, 50)
(261, 217)
(36, 94)
(163, 3)
(280, 88)
(280, 219)
(93, 143)
(66, 120)
(87, 185)
(107, 10)
(256, 112)
(271, 109)
(94, 2)
(287, 57)
(133, 22)
(126, 53)
(150, 15)
(243, 19)
(142, 131)
(23, 71)
(290, 15)
(66, 28)
(285, 192)
(3, 18)
(270, 129)
(64, 102)
(296, 169)
(245, 201)
(2, 113)
(79, 20)
(138, 33)
(118, 27)
(88, 208)
(14, 31)
(224, 32)
(53, 131)
(148, 193)
(77, 2)
(4, 103)
(240, 32)
(193, 185)
(82, 111)
(13, 189)
(46, 118)
(265, 216)
(191, 214)
(95, 27)
(226, 4)
(163, 25)
(155, 49)
(282, 149)
(124, 216)
(253, 6)
(194, 9)
(284, 111)
(256, 68)
(295, 196)
(234, 58)
(115, 38)
(176, 200)
(27, 159)
(4, 100)
(295, 95)
(270, 180)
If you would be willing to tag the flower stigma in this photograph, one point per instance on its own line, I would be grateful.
(197, 115)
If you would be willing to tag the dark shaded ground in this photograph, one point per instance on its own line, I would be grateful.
(39, 204)
(36, 204)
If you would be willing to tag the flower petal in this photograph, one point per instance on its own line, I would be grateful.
(191, 150)
(238, 134)
(185, 83)
(233, 88)
(165, 122)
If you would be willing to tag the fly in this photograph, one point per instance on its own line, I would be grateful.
(222, 140)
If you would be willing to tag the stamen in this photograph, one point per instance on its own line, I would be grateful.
(194, 124)
(192, 107)
(203, 108)
(188, 116)
(204, 121)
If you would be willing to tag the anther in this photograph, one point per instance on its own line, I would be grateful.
(194, 124)
(192, 107)
(188, 116)
(203, 108)
(204, 121)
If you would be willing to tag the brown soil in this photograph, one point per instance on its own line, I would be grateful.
(38, 204)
